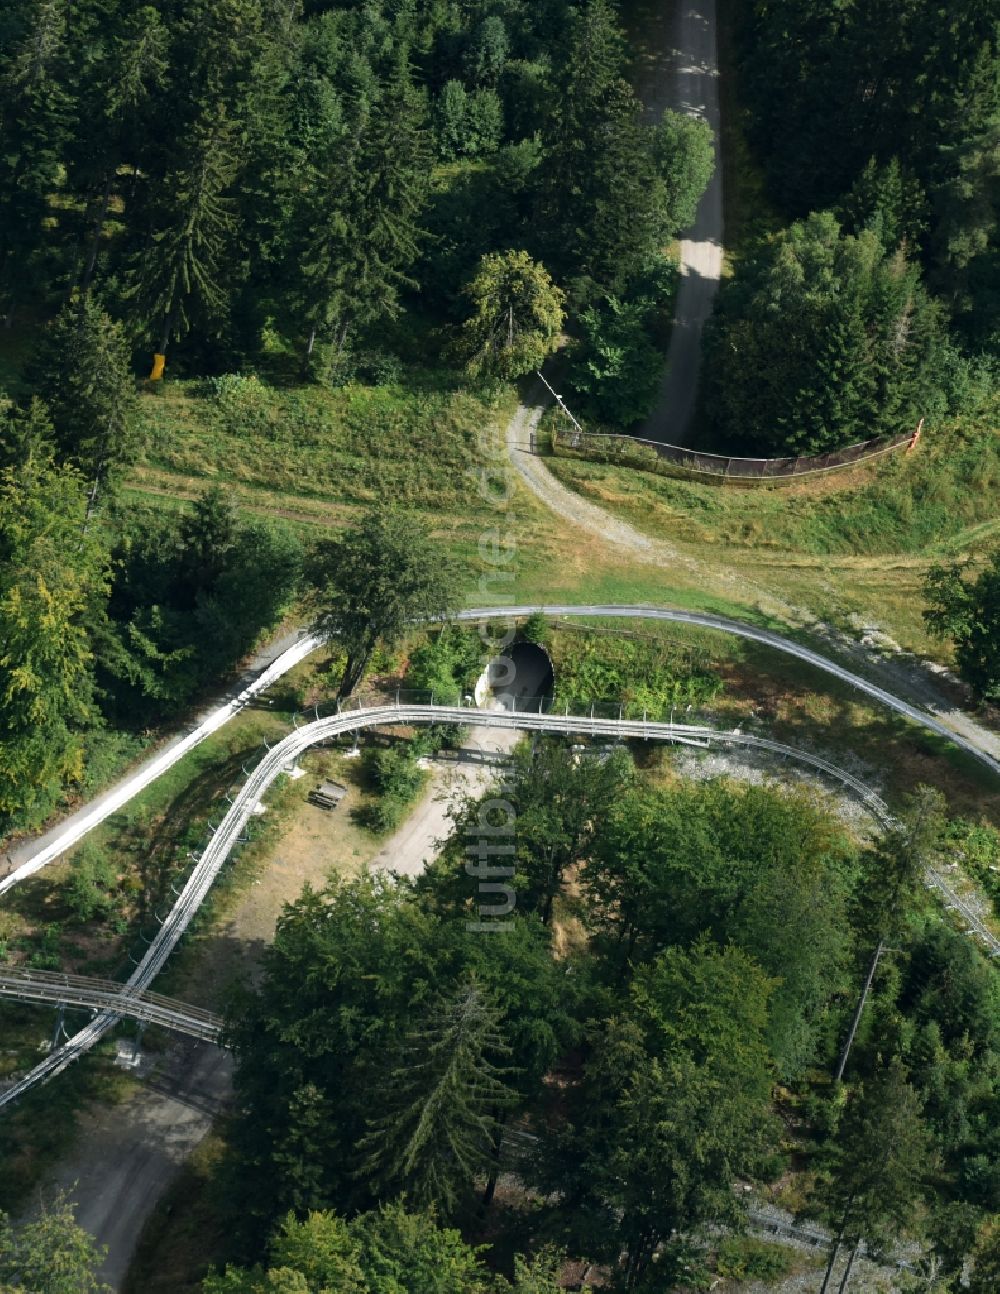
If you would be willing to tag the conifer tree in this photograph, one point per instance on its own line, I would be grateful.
(82, 372)
(894, 872)
(37, 109)
(882, 1161)
(179, 277)
(441, 1104)
(121, 85)
(361, 217)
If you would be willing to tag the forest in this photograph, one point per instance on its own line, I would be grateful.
(708, 995)
(662, 1019)
(312, 190)
(219, 172)
(876, 128)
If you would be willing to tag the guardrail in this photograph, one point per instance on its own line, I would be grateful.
(370, 713)
(652, 456)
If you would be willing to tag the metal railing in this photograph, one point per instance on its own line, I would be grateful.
(29, 985)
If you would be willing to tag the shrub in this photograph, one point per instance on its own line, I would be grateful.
(447, 664)
(245, 403)
(643, 674)
(742, 1258)
(535, 629)
(92, 883)
(396, 779)
(614, 366)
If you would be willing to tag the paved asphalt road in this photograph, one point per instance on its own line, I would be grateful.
(690, 83)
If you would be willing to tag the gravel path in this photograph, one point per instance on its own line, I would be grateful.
(418, 840)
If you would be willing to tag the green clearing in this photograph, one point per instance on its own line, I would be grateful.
(853, 545)
(350, 445)
(935, 501)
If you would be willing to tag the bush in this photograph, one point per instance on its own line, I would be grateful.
(643, 674)
(535, 629)
(396, 780)
(447, 664)
(614, 366)
(92, 883)
(245, 403)
(743, 1258)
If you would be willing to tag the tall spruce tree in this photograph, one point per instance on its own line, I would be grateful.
(441, 1105)
(178, 278)
(360, 216)
(82, 371)
(121, 83)
(893, 872)
(37, 110)
(882, 1161)
(823, 340)
(601, 200)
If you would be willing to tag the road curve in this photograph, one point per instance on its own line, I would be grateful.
(978, 742)
(281, 757)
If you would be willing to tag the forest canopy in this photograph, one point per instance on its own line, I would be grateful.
(877, 129)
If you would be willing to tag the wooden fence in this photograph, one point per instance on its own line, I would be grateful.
(651, 456)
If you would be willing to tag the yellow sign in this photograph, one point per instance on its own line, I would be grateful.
(158, 362)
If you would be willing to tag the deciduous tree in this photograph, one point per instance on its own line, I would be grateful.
(966, 609)
(51, 570)
(376, 579)
(517, 315)
(52, 1253)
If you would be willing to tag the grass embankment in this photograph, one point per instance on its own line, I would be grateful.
(853, 544)
(427, 451)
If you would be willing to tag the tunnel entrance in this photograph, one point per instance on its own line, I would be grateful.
(521, 679)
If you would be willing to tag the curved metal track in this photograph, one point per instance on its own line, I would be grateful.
(722, 624)
(280, 757)
(28, 985)
(768, 638)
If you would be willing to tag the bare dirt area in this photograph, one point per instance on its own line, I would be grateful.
(125, 1156)
(307, 846)
(468, 773)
